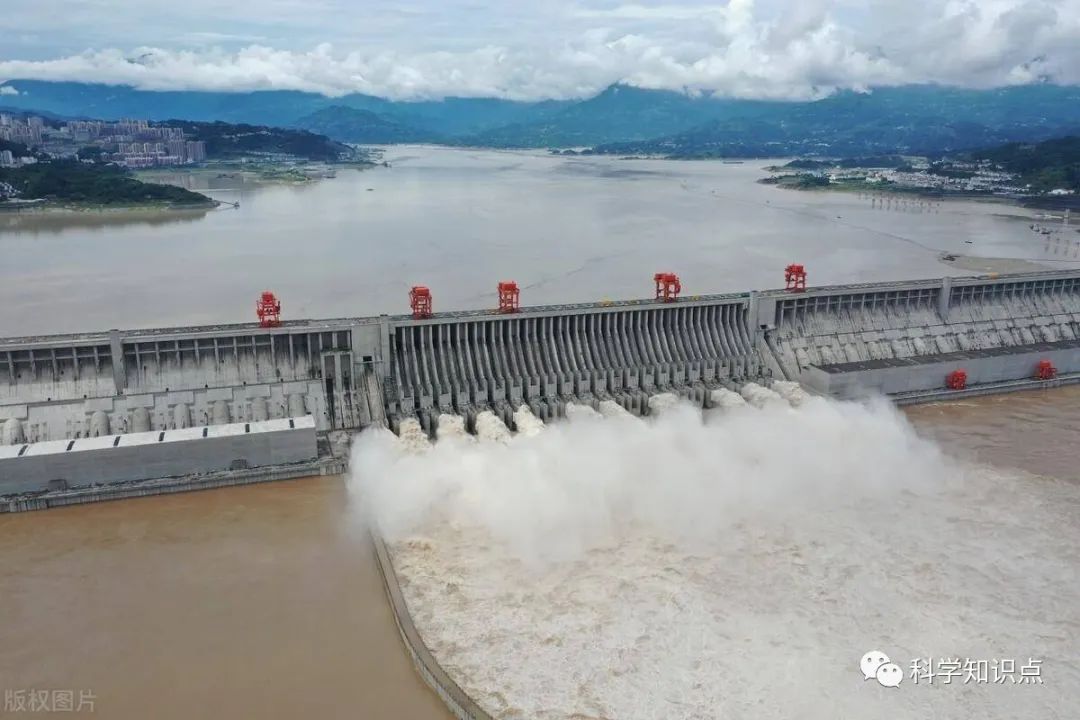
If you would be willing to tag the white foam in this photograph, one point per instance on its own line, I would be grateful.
(452, 427)
(662, 402)
(576, 411)
(413, 438)
(724, 399)
(528, 425)
(489, 428)
(612, 409)
(792, 392)
(759, 396)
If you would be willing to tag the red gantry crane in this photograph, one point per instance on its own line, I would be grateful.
(795, 276)
(668, 286)
(509, 297)
(420, 300)
(268, 310)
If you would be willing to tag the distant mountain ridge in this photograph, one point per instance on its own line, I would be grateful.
(906, 120)
(281, 108)
(350, 125)
(620, 120)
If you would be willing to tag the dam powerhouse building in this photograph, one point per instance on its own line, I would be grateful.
(123, 413)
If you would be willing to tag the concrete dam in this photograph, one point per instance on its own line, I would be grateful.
(199, 406)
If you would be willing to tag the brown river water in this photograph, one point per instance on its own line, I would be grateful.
(264, 601)
(259, 601)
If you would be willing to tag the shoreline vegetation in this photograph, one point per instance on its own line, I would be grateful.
(76, 185)
(53, 207)
(188, 200)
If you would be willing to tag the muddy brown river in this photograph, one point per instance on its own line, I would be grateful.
(258, 601)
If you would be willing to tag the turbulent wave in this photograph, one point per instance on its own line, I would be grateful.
(731, 566)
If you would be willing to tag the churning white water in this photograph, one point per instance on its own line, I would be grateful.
(527, 423)
(452, 427)
(759, 396)
(489, 428)
(610, 567)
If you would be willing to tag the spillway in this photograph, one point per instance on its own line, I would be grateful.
(901, 339)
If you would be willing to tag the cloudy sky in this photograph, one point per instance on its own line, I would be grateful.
(527, 49)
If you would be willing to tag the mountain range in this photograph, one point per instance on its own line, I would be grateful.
(622, 119)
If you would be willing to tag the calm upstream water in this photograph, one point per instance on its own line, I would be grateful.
(264, 601)
(566, 229)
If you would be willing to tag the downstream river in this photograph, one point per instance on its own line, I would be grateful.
(264, 601)
(567, 229)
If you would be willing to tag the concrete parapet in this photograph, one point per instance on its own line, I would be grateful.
(461, 705)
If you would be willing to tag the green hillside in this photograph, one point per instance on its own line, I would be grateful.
(1047, 166)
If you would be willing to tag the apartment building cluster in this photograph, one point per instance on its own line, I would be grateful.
(131, 143)
(28, 132)
(153, 154)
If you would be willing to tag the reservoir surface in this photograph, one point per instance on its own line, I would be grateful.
(567, 229)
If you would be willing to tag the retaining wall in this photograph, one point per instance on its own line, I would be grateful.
(142, 456)
(463, 706)
(169, 486)
(922, 373)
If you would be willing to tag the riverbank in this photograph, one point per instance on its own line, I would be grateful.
(808, 182)
(217, 175)
(49, 207)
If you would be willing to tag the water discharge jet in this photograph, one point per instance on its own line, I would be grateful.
(609, 568)
(491, 429)
(452, 426)
(527, 424)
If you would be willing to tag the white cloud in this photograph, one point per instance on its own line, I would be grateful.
(745, 48)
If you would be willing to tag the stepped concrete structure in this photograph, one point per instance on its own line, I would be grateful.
(900, 338)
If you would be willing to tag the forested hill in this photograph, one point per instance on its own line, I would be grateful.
(71, 181)
(224, 140)
(916, 120)
(1047, 166)
(363, 126)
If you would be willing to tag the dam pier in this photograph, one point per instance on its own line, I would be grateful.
(95, 415)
